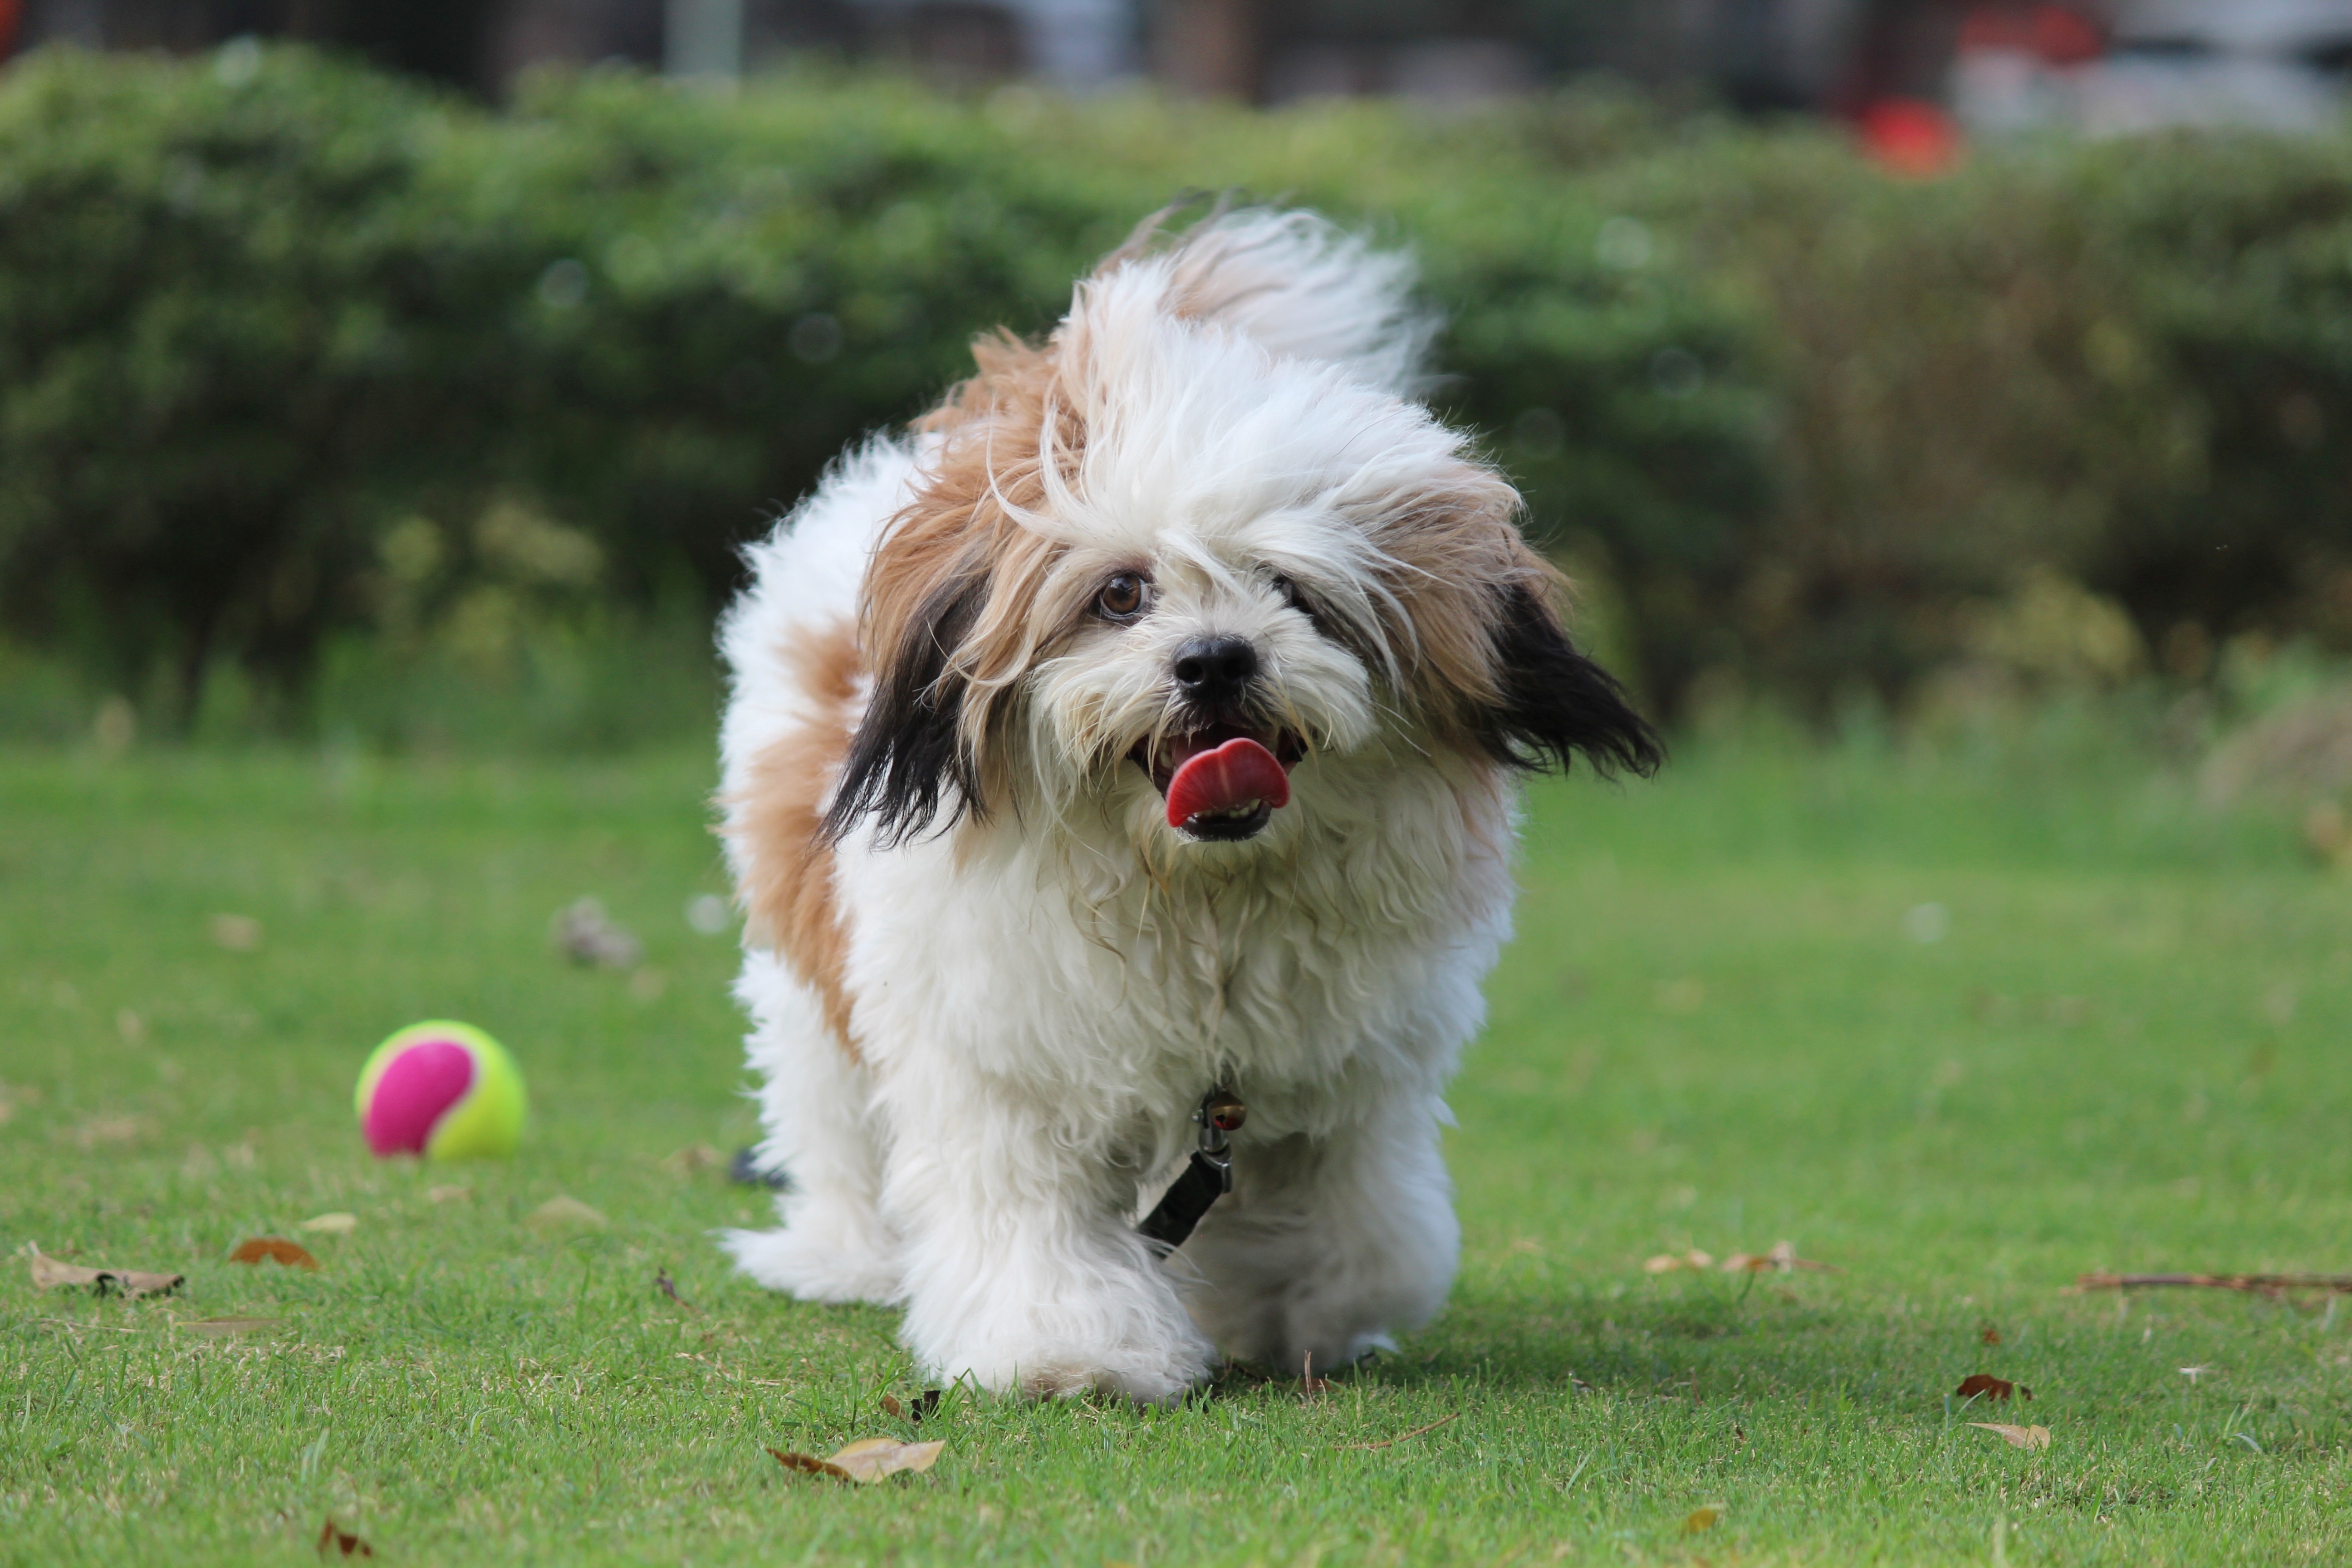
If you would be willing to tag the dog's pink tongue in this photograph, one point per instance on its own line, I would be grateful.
(1235, 774)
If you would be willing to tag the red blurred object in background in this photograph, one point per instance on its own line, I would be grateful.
(11, 15)
(2053, 34)
(1909, 136)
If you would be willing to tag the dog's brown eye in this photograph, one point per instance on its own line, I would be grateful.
(1122, 597)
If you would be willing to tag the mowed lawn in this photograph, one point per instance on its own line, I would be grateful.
(1961, 1031)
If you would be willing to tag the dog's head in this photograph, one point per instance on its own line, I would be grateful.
(1197, 538)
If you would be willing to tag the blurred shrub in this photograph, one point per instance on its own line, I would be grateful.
(217, 346)
(2125, 364)
(315, 384)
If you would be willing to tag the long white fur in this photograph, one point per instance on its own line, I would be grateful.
(1041, 997)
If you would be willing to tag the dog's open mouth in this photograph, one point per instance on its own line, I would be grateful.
(1223, 783)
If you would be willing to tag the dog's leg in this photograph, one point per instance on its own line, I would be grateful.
(1022, 1269)
(822, 1127)
(1328, 1246)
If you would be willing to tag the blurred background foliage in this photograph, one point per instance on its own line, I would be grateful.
(333, 405)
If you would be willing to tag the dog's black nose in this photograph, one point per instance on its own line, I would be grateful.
(1215, 669)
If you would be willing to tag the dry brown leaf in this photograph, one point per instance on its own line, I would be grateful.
(222, 1328)
(1990, 1336)
(48, 1273)
(332, 1539)
(692, 1158)
(1667, 1262)
(871, 1458)
(1990, 1386)
(867, 1459)
(1782, 1257)
(331, 1223)
(449, 1193)
(276, 1249)
(565, 1213)
(582, 933)
(1402, 1437)
(239, 934)
(104, 1130)
(2028, 1437)
(669, 1286)
(892, 1408)
(1702, 1518)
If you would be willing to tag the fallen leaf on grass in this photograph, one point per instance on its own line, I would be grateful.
(562, 1213)
(330, 1538)
(239, 934)
(669, 1286)
(871, 1458)
(276, 1248)
(1402, 1436)
(915, 1410)
(2018, 1436)
(867, 1459)
(1990, 1336)
(222, 1328)
(585, 936)
(1666, 1262)
(12, 1096)
(2276, 1285)
(1978, 1383)
(1783, 1257)
(331, 1223)
(692, 1158)
(100, 1130)
(1702, 1518)
(48, 1273)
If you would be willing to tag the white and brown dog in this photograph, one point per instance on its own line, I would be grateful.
(1144, 723)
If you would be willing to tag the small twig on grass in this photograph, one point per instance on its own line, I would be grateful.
(2262, 1284)
(79, 1327)
(669, 1286)
(1403, 1436)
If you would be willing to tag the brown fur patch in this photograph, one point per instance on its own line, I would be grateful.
(1454, 552)
(788, 890)
(1002, 428)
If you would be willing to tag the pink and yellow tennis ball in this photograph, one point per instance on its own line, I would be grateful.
(444, 1090)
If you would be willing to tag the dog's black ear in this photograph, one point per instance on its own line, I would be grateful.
(1553, 702)
(910, 758)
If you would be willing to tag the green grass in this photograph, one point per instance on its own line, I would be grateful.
(1713, 1031)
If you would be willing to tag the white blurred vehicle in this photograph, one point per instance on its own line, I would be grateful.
(2277, 65)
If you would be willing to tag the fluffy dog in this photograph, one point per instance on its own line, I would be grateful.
(1146, 720)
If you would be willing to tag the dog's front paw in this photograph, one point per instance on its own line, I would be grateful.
(1024, 1354)
(843, 1260)
(1063, 1371)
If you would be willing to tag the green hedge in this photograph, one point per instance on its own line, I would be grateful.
(308, 377)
